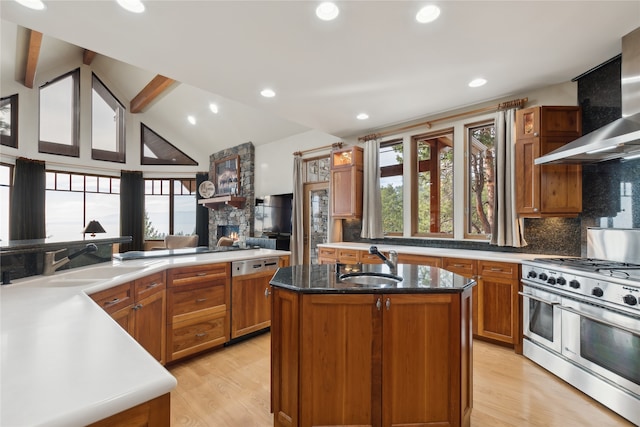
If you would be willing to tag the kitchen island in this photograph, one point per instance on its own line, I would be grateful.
(352, 345)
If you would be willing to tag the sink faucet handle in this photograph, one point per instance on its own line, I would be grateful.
(52, 254)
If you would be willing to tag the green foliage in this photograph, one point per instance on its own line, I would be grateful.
(391, 208)
(150, 232)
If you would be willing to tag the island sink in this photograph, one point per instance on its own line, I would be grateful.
(371, 279)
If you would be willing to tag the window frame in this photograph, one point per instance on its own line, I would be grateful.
(10, 187)
(49, 147)
(105, 93)
(433, 166)
(392, 170)
(12, 139)
(468, 127)
(171, 196)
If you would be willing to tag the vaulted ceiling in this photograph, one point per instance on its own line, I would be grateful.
(373, 58)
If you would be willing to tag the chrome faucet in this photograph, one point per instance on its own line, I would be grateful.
(392, 261)
(51, 265)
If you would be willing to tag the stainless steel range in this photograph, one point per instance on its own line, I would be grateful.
(581, 318)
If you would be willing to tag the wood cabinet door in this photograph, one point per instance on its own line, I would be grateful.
(560, 185)
(498, 302)
(421, 339)
(285, 345)
(340, 360)
(341, 192)
(150, 325)
(527, 176)
(528, 123)
(125, 318)
(250, 306)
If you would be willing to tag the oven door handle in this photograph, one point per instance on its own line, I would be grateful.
(597, 319)
(539, 299)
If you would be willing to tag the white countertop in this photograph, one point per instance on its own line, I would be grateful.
(442, 252)
(64, 361)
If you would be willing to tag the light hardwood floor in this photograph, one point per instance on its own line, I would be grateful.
(230, 387)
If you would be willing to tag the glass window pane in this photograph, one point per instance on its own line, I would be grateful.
(424, 188)
(57, 111)
(391, 187)
(63, 215)
(92, 183)
(184, 215)
(481, 173)
(77, 182)
(63, 181)
(157, 217)
(166, 187)
(148, 186)
(51, 180)
(115, 185)
(5, 175)
(4, 213)
(446, 190)
(104, 184)
(104, 124)
(104, 208)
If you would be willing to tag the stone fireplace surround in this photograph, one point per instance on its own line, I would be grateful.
(242, 217)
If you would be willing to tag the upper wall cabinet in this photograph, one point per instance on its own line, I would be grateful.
(346, 182)
(546, 190)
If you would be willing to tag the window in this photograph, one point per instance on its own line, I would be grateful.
(6, 172)
(391, 186)
(433, 184)
(72, 200)
(155, 150)
(170, 207)
(480, 180)
(107, 124)
(59, 122)
(9, 121)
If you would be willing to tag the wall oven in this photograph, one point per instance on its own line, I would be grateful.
(581, 318)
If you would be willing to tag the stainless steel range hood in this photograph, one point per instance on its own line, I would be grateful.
(621, 138)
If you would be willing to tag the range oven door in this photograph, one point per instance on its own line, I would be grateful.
(603, 342)
(541, 318)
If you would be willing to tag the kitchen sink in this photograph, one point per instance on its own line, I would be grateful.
(369, 279)
(96, 273)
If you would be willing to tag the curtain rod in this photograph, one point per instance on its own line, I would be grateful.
(324, 147)
(514, 103)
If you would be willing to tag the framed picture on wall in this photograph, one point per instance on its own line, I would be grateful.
(227, 175)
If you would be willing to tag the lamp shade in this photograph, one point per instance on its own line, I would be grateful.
(93, 227)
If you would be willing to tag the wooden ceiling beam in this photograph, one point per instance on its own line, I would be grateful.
(35, 42)
(87, 56)
(150, 92)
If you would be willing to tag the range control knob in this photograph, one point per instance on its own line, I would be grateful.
(561, 281)
(574, 284)
(532, 274)
(543, 277)
(630, 299)
(597, 292)
(551, 281)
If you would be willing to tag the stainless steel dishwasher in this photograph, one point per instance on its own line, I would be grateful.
(250, 303)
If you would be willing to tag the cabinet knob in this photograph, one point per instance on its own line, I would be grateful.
(201, 300)
(388, 304)
(379, 304)
(267, 292)
(137, 306)
(535, 134)
(535, 209)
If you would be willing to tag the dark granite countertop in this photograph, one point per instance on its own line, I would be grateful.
(326, 279)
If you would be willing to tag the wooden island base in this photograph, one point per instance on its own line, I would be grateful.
(371, 359)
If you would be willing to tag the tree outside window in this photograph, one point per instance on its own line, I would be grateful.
(391, 186)
(481, 179)
(170, 207)
(433, 184)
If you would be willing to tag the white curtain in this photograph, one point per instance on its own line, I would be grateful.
(507, 227)
(371, 200)
(297, 227)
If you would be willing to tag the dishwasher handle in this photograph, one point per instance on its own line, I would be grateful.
(252, 266)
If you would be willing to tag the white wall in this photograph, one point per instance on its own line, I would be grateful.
(274, 161)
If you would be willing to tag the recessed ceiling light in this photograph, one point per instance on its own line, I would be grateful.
(32, 4)
(327, 11)
(213, 108)
(362, 116)
(428, 14)
(267, 93)
(191, 119)
(477, 82)
(134, 6)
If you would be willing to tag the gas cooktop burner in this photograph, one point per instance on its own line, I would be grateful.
(590, 264)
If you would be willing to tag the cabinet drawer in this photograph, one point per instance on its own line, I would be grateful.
(149, 285)
(498, 269)
(348, 256)
(328, 253)
(199, 334)
(185, 276)
(367, 258)
(431, 261)
(196, 301)
(462, 266)
(113, 299)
